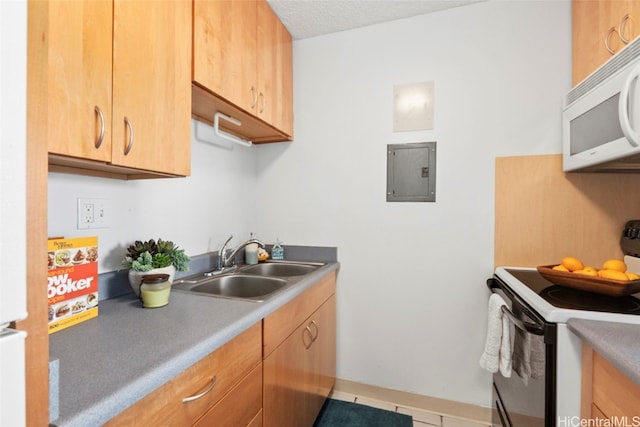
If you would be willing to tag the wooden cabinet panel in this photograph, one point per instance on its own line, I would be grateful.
(283, 118)
(300, 373)
(79, 76)
(242, 67)
(257, 420)
(280, 324)
(606, 391)
(546, 221)
(152, 85)
(613, 392)
(598, 24)
(240, 406)
(228, 365)
(107, 60)
(224, 46)
(267, 67)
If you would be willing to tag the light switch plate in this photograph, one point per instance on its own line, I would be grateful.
(413, 106)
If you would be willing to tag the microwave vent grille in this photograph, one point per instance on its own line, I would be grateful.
(609, 68)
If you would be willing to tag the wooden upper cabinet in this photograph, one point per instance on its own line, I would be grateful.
(242, 67)
(111, 59)
(600, 29)
(224, 43)
(79, 70)
(267, 66)
(284, 88)
(152, 85)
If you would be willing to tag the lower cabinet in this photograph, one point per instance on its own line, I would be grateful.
(278, 373)
(210, 389)
(299, 371)
(607, 393)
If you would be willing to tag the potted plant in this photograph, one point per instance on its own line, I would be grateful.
(151, 257)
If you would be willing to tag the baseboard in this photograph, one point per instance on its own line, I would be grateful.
(412, 400)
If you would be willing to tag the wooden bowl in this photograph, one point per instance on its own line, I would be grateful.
(598, 285)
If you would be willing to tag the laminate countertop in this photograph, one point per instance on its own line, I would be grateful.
(108, 363)
(619, 343)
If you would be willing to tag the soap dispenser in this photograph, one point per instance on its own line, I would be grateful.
(277, 251)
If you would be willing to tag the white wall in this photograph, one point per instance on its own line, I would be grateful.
(411, 292)
(198, 212)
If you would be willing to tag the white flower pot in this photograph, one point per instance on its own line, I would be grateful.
(135, 277)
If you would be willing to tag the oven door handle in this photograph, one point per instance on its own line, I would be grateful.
(534, 328)
(530, 327)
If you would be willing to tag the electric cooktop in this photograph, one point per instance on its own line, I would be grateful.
(558, 303)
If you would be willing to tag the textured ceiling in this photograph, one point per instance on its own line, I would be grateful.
(309, 18)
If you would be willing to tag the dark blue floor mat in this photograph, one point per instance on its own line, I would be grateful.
(337, 413)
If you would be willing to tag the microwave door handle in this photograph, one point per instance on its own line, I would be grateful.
(623, 108)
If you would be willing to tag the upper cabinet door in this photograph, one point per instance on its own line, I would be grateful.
(242, 67)
(224, 44)
(600, 30)
(274, 71)
(267, 66)
(283, 119)
(152, 85)
(79, 78)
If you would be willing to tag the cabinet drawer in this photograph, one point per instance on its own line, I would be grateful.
(240, 406)
(228, 365)
(280, 324)
(613, 392)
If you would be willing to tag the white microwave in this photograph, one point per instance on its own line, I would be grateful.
(601, 117)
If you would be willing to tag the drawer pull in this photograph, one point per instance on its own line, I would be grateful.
(198, 396)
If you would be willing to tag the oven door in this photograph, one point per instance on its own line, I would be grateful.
(527, 400)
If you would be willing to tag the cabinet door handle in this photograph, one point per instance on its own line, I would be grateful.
(261, 96)
(304, 341)
(101, 136)
(130, 144)
(622, 28)
(606, 39)
(198, 396)
(314, 337)
(254, 96)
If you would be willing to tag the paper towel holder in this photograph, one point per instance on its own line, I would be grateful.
(225, 135)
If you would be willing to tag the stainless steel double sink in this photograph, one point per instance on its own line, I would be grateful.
(252, 282)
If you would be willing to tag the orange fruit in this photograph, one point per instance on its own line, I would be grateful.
(587, 271)
(614, 264)
(632, 276)
(613, 274)
(560, 268)
(572, 263)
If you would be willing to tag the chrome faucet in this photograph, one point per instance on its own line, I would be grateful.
(226, 261)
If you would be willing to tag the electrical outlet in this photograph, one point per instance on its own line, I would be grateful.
(93, 213)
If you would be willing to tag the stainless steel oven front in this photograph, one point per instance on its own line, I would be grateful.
(528, 398)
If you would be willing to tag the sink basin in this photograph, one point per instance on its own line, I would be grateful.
(255, 288)
(281, 269)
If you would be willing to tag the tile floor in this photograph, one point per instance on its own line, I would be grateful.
(421, 418)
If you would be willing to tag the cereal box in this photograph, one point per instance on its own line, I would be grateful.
(72, 286)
